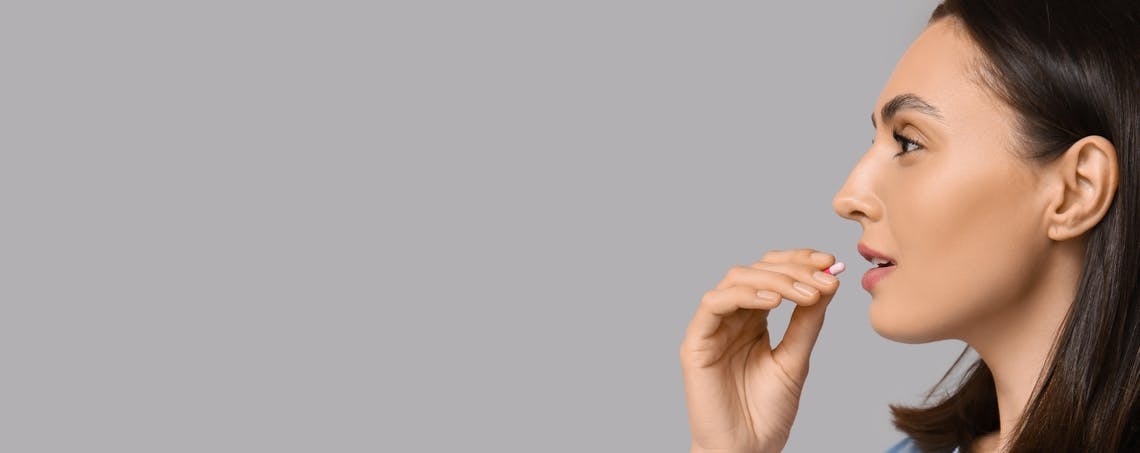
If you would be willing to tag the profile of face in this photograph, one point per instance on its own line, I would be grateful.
(942, 192)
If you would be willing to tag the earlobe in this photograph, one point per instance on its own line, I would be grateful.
(1087, 174)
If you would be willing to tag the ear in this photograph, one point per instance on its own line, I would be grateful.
(1086, 177)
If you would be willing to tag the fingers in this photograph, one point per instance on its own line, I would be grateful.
(791, 281)
(718, 303)
(802, 333)
(807, 275)
(794, 350)
(724, 301)
(795, 275)
(801, 256)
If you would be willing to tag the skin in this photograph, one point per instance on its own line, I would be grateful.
(989, 248)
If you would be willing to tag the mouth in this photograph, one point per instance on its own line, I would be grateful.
(884, 265)
(876, 258)
(879, 262)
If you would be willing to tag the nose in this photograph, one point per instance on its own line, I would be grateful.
(857, 200)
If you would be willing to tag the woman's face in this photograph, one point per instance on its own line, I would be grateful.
(957, 212)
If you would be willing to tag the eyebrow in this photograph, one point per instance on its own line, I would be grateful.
(907, 101)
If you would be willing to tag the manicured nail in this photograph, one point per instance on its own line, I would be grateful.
(804, 289)
(768, 295)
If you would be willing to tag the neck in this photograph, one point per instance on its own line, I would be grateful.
(1015, 344)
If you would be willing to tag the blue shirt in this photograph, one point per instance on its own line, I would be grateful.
(907, 446)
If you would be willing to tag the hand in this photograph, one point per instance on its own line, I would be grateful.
(742, 394)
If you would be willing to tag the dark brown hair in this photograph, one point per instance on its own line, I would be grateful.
(1069, 69)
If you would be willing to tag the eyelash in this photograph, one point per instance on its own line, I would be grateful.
(903, 140)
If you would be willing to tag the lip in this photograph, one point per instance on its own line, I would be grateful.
(869, 253)
(871, 277)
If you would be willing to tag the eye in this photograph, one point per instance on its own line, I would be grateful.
(904, 141)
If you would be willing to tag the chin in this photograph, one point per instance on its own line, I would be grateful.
(899, 325)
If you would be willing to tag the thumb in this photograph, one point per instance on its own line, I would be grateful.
(794, 350)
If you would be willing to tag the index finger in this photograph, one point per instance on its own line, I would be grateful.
(799, 256)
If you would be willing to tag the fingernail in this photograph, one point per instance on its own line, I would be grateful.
(819, 256)
(768, 295)
(804, 289)
(824, 277)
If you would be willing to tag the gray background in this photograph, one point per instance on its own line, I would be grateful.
(422, 226)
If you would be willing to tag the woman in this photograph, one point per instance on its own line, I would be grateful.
(1002, 185)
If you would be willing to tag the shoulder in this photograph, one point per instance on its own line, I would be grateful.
(904, 446)
(907, 446)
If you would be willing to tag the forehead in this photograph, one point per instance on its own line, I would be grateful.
(939, 66)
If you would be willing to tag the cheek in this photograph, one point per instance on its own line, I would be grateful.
(965, 245)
